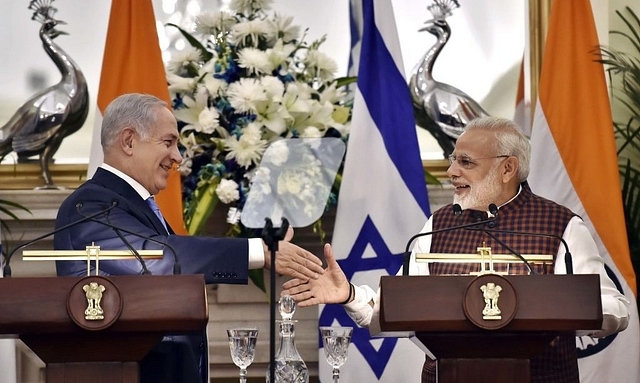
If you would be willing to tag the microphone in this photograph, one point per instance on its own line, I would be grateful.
(457, 210)
(568, 260)
(7, 267)
(145, 270)
(177, 269)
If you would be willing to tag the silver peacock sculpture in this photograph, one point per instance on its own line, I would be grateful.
(40, 124)
(440, 108)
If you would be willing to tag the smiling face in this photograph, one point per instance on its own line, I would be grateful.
(480, 175)
(152, 157)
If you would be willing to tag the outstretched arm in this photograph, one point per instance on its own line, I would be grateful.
(294, 261)
(330, 287)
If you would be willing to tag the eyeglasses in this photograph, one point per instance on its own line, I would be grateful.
(468, 162)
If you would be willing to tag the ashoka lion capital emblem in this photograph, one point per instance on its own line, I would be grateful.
(94, 295)
(491, 294)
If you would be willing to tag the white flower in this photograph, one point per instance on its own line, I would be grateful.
(179, 84)
(320, 65)
(249, 33)
(260, 184)
(208, 120)
(249, 6)
(252, 132)
(183, 59)
(280, 54)
(289, 182)
(262, 83)
(332, 94)
(255, 61)
(273, 86)
(245, 93)
(198, 115)
(245, 151)
(278, 153)
(280, 28)
(214, 86)
(311, 132)
(227, 191)
(212, 23)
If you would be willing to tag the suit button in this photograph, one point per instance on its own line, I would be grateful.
(491, 224)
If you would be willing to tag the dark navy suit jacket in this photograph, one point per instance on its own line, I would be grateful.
(221, 260)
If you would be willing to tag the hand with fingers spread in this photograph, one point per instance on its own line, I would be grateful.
(330, 287)
(294, 261)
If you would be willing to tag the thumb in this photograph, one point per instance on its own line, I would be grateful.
(289, 235)
(330, 257)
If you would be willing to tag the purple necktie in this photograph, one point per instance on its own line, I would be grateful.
(156, 209)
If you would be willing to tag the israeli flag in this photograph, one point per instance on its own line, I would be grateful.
(383, 197)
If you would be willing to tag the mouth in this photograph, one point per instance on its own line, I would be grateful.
(459, 188)
(166, 167)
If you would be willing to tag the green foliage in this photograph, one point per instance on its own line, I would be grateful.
(626, 67)
(5, 207)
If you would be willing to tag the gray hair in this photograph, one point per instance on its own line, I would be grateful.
(509, 140)
(134, 110)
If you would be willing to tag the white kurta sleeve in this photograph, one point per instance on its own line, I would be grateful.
(587, 260)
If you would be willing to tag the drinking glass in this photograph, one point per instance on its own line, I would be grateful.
(336, 342)
(242, 344)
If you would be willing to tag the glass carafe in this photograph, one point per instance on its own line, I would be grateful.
(289, 366)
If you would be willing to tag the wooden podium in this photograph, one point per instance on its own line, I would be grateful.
(50, 316)
(446, 314)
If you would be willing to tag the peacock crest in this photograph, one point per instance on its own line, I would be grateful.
(441, 9)
(43, 11)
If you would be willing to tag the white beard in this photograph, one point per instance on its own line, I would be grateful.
(481, 194)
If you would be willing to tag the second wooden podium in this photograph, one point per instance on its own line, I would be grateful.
(486, 328)
(97, 329)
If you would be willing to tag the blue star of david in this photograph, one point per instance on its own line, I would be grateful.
(385, 259)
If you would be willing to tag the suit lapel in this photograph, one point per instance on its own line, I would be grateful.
(131, 198)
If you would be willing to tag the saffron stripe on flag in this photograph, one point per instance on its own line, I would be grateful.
(383, 197)
(132, 63)
(573, 154)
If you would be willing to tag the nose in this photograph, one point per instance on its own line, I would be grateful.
(176, 158)
(453, 169)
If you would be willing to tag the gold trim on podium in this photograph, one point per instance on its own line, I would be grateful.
(92, 253)
(476, 258)
(81, 255)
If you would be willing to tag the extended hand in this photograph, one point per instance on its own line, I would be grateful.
(294, 261)
(331, 287)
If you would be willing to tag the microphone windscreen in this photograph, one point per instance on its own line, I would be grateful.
(457, 209)
(493, 209)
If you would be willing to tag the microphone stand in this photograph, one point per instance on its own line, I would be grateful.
(271, 236)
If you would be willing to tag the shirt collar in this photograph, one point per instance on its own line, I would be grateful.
(499, 207)
(144, 193)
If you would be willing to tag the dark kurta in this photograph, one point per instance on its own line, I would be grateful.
(529, 213)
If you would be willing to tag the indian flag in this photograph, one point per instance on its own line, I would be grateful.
(132, 63)
(574, 162)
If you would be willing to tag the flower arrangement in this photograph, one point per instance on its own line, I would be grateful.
(247, 80)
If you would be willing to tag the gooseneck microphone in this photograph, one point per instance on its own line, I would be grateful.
(7, 267)
(177, 269)
(457, 210)
(145, 270)
(568, 260)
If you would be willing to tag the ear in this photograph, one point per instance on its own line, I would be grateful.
(510, 169)
(126, 140)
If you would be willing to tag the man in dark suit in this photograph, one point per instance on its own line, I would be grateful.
(139, 138)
